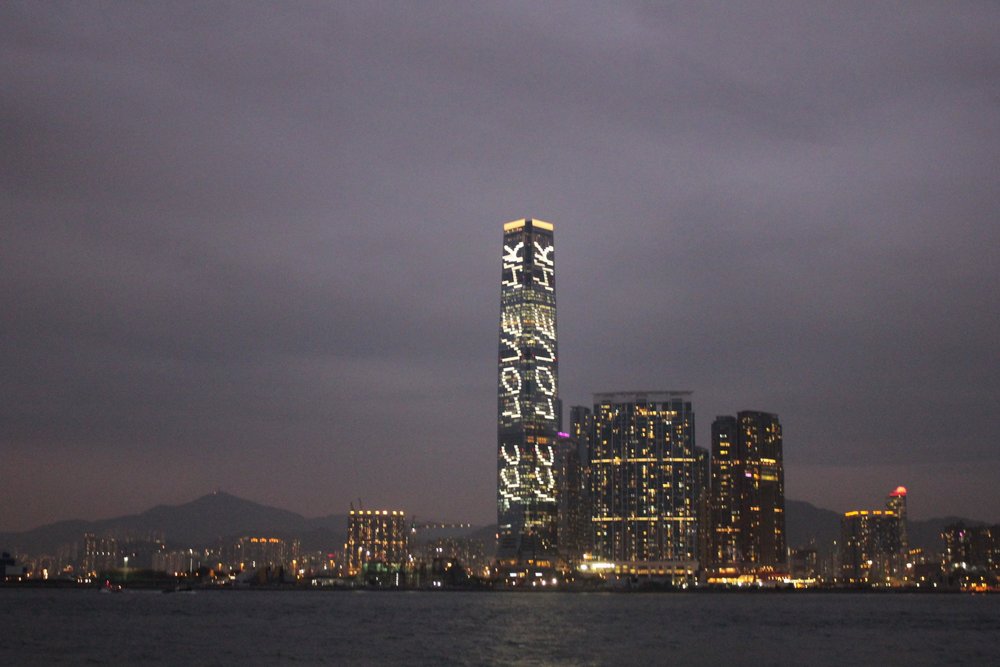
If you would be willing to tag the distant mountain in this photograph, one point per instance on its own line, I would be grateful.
(46, 539)
(806, 525)
(926, 534)
(201, 522)
(220, 516)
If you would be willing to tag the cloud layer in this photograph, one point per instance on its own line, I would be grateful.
(256, 246)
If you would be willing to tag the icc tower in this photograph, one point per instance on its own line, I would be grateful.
(528, 408)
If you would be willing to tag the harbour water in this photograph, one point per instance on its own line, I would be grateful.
(423, 628)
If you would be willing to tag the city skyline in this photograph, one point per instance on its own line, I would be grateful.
(256, 250)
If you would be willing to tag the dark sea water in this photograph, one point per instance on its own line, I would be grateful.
(420, 628)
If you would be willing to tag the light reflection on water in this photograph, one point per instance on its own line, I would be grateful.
(266, 627)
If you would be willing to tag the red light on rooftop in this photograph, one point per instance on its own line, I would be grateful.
(900, 491)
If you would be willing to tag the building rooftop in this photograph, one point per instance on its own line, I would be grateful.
(632, 396)
(517, 224)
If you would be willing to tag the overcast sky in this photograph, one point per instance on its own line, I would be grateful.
(256, 247)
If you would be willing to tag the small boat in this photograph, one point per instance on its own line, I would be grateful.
(108, 587)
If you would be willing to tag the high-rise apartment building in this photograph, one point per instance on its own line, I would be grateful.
(972, 547)
(725, 506)
(748, 495)
(869, 547)
(252, 552)
(100, 553)
(644, 482)
(528, 417)
(897, 503)
(874, 543)
(375, 536)
(702, 506)
(581, 429)
(763, 491)
(571, 494)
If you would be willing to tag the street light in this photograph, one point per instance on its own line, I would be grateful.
(125, 579)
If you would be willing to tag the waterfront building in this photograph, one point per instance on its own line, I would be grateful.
(748, 496)
(644, 483)
(581, 430)
(581, 427)
(896, 501)
(11, 570)
(972, 547)
(803, 564)
(100, 553)
(702, 508)
(874, 546)
(469, 552)
(725, 498)
(762, 491)
(573, 525)
(375, 536)
(869, 547)
(179, 562)
(528, 418)
(253, 552)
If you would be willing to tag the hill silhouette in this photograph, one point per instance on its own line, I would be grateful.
(203, 522)
(219, 516)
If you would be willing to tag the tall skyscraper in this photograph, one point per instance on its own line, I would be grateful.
(571, 494)
(873, 547)
(869, 546)
(748, 495)
(528, 396)
(725, 497)
(702, 507)
(581, 428)
(762, 491)
(897, 503)
(644, 482)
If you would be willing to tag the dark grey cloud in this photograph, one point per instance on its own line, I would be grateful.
(255, 246)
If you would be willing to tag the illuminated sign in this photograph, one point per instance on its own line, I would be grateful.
(527, 381)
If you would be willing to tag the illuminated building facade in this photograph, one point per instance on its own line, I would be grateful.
(581, 426)
(874, 543)
(528, 406)
(725, 499)
(748, 495)
(869, 547)
(972, 547)
(179, 562)
(375, 536)
(573, 524)
(100, 553)
(581, 429)
(252, 552)
(762, 491)
(897, 503)
(643, 482)
(702, 506)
